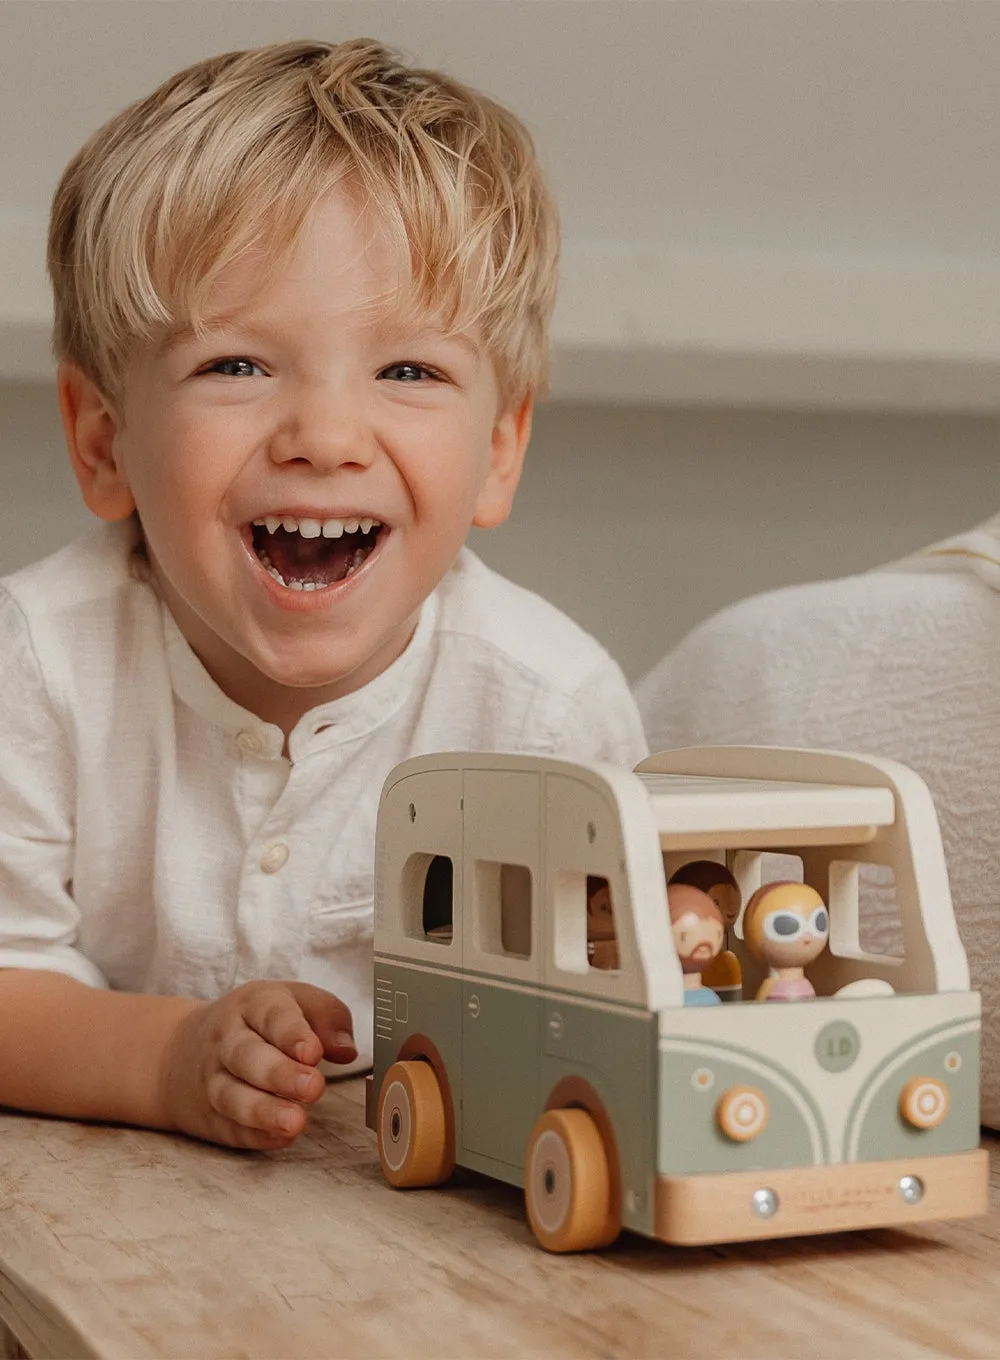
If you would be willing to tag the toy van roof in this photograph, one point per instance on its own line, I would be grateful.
(740, 797)
(704, 811)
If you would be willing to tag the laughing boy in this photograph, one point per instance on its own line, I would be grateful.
(302, 297)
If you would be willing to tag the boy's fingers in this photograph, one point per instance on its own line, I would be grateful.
(275, 1014)
(252, 1108)
(250, 1059)
(329, 1019)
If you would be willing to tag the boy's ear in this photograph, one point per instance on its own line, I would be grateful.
(90, 424)
(510, 442)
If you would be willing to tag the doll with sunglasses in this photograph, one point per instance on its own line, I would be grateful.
(786, 925)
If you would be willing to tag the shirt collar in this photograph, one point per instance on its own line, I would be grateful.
(341, 720)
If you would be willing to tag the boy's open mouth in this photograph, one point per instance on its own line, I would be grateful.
(309, 554)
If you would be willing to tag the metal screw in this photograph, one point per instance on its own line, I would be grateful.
(764, 1203)
(912, 1189)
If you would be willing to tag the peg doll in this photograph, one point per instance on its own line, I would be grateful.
(723, 974)
(602, 942)
(786, 925)
(698, 934)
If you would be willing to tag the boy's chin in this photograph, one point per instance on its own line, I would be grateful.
(316, 679)
(310, 680)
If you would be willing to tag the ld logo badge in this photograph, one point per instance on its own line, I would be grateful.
(837, 1046)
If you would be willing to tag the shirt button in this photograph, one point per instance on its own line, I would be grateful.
(249, 743)
(273, 859)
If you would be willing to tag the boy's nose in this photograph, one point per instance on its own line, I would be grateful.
(326, 430)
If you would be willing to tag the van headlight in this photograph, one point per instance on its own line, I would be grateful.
(742, 1113)
(924, 1102)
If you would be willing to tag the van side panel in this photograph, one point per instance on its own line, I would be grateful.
(615, 1052)
(500, 1061)
(410, 1001)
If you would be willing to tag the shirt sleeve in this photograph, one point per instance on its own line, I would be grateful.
(602, 721)
(39, 920)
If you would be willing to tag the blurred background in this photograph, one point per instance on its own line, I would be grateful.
(777, 347)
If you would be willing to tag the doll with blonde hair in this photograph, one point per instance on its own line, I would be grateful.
(787, 926)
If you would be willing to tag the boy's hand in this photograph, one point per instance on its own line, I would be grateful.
(241, 1070)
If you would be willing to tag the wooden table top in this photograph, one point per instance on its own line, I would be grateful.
(118, 1242)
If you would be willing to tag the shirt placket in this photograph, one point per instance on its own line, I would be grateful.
(263, 893)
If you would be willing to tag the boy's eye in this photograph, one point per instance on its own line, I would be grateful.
(408, 372)
(235, 367)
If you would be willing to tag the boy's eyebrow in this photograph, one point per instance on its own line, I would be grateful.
(182, 335)
(452, 337)
(412, 325)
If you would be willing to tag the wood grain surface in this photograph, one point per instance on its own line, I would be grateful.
(123, 1243)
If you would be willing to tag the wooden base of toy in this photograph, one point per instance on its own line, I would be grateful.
(699, 1210)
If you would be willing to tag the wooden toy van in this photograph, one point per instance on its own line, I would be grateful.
(501, 1047)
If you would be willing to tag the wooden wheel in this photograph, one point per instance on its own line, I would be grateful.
(412, 1126)
(567, 1183)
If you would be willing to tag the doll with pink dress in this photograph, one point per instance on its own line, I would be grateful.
(786, 925)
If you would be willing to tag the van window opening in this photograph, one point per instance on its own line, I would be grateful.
(439, 900)
(859, 898)
(864, 910)
(602, 938)
(503, 893)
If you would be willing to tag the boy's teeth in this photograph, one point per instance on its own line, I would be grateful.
(312, 528)
(356, 560)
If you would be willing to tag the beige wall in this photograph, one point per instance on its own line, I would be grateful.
(639, 521)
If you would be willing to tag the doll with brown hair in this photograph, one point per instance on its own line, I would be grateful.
(602, 941)
(698, 934)
(786, 925)
(723, 974)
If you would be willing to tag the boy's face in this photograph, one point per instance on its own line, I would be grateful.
(316, 401)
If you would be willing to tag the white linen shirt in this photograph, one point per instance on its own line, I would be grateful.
(154, 838)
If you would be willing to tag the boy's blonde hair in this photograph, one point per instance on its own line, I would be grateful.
(232, 153)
